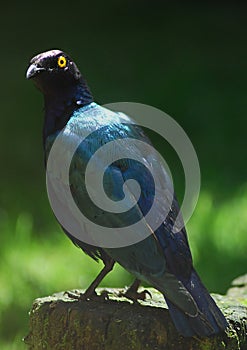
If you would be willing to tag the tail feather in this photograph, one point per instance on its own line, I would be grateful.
(209, 320)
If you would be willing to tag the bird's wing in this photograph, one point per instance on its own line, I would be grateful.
(113, 126)
(174, 244)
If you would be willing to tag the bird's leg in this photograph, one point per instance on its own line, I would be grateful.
(133, 294)
(90, 292)
(106, 269)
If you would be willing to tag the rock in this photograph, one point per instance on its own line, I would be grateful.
(239, 289)
(60, 323)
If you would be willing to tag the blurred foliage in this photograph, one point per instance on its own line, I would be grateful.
(188, 59)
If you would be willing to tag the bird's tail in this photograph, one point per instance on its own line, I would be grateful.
(209, 320)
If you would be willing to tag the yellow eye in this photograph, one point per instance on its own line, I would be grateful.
(61, 61)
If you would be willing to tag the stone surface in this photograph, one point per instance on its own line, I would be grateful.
(60, 323)
(238, 289)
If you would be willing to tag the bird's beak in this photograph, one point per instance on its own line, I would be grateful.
(33, 70)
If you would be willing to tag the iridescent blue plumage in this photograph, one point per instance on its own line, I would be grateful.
(163, 259)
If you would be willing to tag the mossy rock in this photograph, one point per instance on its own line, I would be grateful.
(238, 289)
(61, 323)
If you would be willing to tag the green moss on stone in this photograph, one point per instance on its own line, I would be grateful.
(61, 323)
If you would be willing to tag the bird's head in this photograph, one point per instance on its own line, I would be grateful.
(53, 71)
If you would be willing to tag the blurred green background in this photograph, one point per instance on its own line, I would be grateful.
(188, 59)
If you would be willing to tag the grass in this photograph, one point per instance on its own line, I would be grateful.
(37, 265)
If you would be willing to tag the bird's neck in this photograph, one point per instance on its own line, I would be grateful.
(60, 106)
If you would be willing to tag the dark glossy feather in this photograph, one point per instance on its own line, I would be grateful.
(163, 259)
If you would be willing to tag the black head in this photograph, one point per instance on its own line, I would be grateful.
(53, 71)
(62, 85)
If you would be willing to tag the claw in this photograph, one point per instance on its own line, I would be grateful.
(90, 293)
(93, 296)
(72, 295)
(134, 295)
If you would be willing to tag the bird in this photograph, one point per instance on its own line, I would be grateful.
(162, 259)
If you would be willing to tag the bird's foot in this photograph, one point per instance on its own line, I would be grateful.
(88, 295)
(134, 295)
